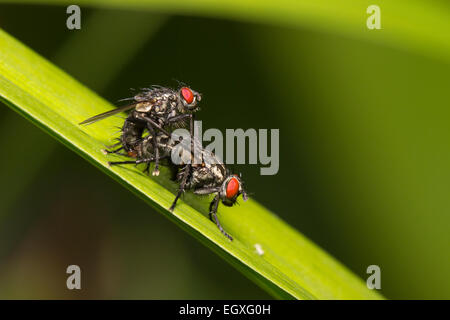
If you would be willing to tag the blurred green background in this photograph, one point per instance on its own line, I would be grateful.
(364, 156)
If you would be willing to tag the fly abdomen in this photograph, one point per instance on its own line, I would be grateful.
(203, 177)
(132, 131)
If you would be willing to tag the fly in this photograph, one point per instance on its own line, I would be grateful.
(210, 176)
(156, 109)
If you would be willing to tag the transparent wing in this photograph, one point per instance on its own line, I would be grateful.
(108, 114)
(207, 157)
(183, 150)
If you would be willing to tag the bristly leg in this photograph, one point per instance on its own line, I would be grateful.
(152, 123)
(106, 151)
(187, 168)
(213, 216)
(156, 150)
(136, 162)
(179, 117)
(184, 179)
(147, 169)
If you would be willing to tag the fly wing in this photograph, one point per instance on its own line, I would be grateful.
(181, 124)
(207, 157)
(210, 158)
(108, 114)
(200, 155)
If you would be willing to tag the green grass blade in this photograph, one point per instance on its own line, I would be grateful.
(291, 267)
(131, 30)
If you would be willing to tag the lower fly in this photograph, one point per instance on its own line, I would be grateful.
(210, 176)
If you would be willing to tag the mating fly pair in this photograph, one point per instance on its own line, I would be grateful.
(158, 111)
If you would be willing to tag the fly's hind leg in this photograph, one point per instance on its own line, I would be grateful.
(108, 150)
(136, 162)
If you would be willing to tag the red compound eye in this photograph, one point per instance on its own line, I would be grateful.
(232, 188)
(187, 95)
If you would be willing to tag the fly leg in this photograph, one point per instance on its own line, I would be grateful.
(157, 158)
(187, 168)
(156, 149)
(116, 151)
(153, 124)
(106, 151)
(186, 172)
(147, 168)
(115, 163)
(213, 216)
(179, 117)
(136, 162)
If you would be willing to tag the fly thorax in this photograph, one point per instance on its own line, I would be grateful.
(201, 177)
(217, 173)
(164, 107)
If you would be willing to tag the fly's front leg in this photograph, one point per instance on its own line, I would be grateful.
(179, 117)
(213, 216)
(191, 129)
(156, 149)
(191, 132)
(187, 168)
(152, 123)
(186, 173)
(191, 124)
